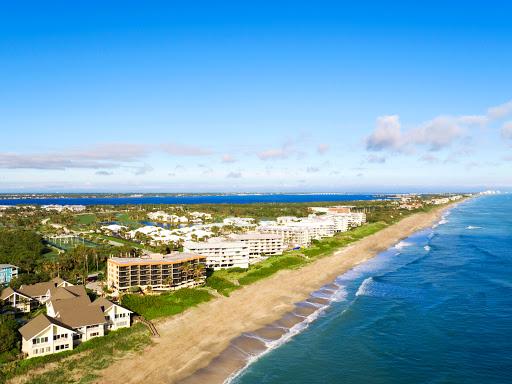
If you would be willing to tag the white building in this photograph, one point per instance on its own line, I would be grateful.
(239, 221)
(293, 236)
(220, 254)
(168, 218)
(118, 317)
(260, 244)
(45, 335)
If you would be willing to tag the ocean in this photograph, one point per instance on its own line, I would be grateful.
(194, 199)
(435, 308)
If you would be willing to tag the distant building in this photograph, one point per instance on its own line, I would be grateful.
(160, 272)
(260, 244)
(293, 236)
(220, 254)
(7, 273)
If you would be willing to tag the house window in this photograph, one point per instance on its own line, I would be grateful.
(94, 334)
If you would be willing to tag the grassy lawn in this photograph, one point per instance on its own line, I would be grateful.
(165, 304)
(86, 218)
(221, 285)
(81, 364)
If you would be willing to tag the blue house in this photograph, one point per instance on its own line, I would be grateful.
(7, 273)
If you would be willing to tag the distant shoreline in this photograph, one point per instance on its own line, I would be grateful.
(189, 342)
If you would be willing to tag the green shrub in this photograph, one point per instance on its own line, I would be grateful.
(165, 304)
(223, 286)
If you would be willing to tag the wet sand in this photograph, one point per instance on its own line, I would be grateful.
(210, 342)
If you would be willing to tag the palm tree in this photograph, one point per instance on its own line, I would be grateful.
(198, 271)
(185, 269)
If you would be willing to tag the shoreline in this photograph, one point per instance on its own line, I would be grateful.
(191, 341)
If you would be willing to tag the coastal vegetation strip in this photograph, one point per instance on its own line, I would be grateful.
(80, 364)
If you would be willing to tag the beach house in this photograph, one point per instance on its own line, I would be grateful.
(117, 316)
(7, 273)
(45, 335)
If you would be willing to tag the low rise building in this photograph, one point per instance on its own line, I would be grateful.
(45, 335)
(293, 236)
(18, 300)
(260, 244)
(159, 272)
(41, 291)
(221, 254)
(7, 273)
(117, 316)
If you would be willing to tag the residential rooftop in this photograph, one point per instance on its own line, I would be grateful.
(172, 258)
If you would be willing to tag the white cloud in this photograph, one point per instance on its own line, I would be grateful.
(228, 159)
(142, 170)
(103, 173)
(185, 150)
(376, 159)
(437, 133)
(312, 169)
(234, 175)
(500, 111)
(322, 148)
(274, 154)
(506, 130)
(387, 134)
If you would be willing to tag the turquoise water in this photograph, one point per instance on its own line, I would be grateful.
(437, 308)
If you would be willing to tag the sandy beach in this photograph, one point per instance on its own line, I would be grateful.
(190, 341)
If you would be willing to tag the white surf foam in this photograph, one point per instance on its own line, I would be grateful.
(402, 244)
(470, 227)
(427, 248)
(270, 345)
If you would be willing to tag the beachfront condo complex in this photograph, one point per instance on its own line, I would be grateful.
(159, 272)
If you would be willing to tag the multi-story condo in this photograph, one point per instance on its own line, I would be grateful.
(317, 229)
(260, 244)
(7, 273)
(293, 236)
(221, 254)
(160, 272)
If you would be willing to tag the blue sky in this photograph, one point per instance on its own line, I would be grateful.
(255, 96)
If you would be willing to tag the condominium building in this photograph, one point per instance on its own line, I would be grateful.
(221, 254)
(293, 236)
(160, 272)
(260, 244)
(7, 273)
(317, 228)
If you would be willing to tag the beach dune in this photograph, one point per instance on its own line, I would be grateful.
(190, 341)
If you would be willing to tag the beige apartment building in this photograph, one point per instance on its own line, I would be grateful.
(160, 272)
